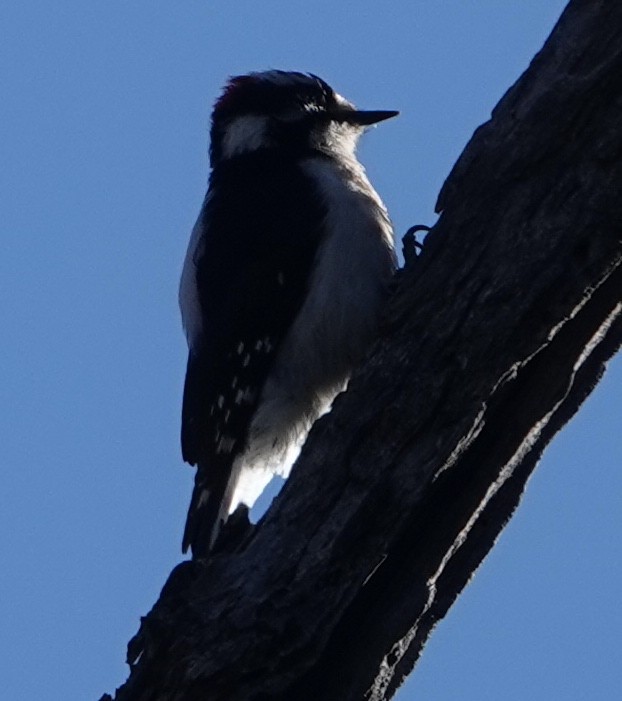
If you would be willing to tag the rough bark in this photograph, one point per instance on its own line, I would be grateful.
(496, 334)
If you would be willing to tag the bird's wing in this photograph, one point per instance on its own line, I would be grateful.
(259, 235)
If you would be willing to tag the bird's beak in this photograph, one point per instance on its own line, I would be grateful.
(362, 118)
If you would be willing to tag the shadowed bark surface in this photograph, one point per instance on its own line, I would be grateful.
(496, 334)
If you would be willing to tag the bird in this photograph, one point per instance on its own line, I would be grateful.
(283, 285)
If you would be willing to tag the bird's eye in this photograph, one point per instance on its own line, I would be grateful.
(300, 113)
(289, 116)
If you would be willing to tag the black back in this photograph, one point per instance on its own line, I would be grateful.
(261, 222)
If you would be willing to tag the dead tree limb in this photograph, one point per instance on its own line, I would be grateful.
(497, 333)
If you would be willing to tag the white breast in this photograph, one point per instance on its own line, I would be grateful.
(335, 326)
(352, 270)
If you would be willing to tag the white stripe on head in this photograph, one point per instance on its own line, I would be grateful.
(245, 134)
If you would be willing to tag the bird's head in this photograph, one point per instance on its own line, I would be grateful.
(295, 112)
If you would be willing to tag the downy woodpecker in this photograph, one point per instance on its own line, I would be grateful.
(283, 284)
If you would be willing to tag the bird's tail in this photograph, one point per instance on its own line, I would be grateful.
(209, 509)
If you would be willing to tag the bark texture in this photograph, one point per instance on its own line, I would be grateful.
(496, 334)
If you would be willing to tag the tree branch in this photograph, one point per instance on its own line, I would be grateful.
(496, 334)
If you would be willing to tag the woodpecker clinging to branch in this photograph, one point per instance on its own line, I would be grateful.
(285, 276)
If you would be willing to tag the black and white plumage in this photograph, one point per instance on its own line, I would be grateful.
(283, 284)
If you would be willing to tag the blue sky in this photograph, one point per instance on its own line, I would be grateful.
(104, 162)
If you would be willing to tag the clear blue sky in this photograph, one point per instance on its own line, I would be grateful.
(103, 149)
